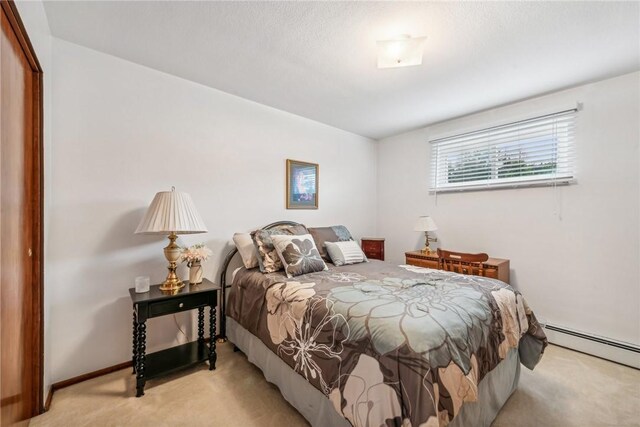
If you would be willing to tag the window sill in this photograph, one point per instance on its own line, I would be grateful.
(505, 185)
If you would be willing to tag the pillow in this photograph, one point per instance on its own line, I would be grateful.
(298, 254)
(268, 259)
(336, 233)
(247, 249)
(343, 253)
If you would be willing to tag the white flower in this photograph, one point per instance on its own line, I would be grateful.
(286, 304)
(369, 400)
(195, 253)
(345, 277)
(514, 323)
(316, 339)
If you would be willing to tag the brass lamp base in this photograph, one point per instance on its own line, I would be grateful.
(172, 252)
(427, 240)
(171, 286)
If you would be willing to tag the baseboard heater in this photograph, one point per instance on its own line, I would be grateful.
(606, 348)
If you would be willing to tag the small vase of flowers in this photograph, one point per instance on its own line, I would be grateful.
(193, 256)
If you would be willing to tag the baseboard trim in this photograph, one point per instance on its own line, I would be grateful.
(84, 377)
(47, 403)
(89, 376)
(604, 348)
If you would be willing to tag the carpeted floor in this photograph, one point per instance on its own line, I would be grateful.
(566, 389)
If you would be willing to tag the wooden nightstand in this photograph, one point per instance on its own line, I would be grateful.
(157, 303)
(373, 247)
(496, 268)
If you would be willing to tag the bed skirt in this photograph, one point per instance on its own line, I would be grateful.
(493, 391)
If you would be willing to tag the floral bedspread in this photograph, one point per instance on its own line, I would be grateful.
(388, 345)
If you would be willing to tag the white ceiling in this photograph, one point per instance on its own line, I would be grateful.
(318, 60)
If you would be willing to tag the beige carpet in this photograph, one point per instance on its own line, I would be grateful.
(566, 389)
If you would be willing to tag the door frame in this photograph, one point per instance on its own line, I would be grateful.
(36, 194)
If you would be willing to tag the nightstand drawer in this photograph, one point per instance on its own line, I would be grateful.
(372, 246)
(373, 253)
(178, 304)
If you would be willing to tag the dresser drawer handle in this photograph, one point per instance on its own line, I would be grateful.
(181, 305)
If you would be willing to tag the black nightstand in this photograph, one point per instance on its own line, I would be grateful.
(157, 303)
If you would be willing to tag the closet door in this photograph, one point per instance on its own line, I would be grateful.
(20, 223)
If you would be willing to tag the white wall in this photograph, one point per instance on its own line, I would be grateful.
(35, 21)
(574, 251)
(122, 132)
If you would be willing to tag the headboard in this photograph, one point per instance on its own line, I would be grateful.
(223, 279)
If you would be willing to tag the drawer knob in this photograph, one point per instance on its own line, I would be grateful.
(181, 305)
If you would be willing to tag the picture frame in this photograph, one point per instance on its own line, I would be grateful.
(302, 184)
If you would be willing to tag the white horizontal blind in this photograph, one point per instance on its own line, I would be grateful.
(535, 151)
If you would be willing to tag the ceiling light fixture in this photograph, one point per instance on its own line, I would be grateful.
(402, 51)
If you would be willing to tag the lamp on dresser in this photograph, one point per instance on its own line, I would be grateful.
(426, 224)
(171, 213)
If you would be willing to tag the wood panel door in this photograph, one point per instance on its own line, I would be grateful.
(20, 222)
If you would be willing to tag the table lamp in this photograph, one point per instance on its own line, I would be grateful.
(426, 224)
(171, 213)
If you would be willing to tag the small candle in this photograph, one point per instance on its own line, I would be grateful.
(142, 284)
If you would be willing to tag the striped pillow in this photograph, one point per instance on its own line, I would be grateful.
(343, 253)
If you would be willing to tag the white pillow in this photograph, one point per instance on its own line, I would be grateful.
(247, 249)
(299, 254)
(343, 253)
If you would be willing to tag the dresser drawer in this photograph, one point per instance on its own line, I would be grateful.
(419, 262)
(491, 272)
(176, 305)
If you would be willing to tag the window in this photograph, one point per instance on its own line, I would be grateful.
(535, 151)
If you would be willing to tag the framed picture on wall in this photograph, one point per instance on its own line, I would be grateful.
(302, 185)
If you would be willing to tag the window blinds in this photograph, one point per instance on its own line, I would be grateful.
(535, 151)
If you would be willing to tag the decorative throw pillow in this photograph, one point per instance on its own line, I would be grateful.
(298, 254)
(342, 253)
(336, 233)
(268, 259)
(247, 249)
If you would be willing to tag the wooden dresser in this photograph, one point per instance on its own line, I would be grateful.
(496, 268)
(373, 247)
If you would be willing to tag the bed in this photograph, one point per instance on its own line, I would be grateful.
(376, 344)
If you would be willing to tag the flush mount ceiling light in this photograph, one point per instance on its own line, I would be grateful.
(402, 51)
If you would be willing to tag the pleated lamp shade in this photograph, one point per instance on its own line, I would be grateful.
(171, 212)
(425, 223)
